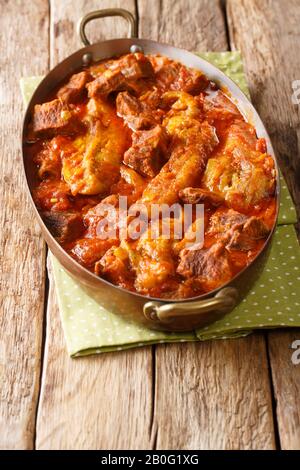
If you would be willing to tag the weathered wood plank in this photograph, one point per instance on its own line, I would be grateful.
(213, 395)
(268, 36)
(64, 18)
(286, 380)
(97, 402)
(22, 249)
(183, 23)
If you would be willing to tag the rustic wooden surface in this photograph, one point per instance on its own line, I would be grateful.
(237, 394)
(22, 252)
(269, 39)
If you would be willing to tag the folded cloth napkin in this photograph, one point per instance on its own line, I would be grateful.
(272, 302)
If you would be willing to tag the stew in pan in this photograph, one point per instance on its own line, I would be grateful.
(156, 132)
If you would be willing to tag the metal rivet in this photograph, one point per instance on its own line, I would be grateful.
(87, 58)
(135, 48)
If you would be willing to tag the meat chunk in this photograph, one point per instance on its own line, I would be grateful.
(121, 74)
(152, 97)
(172, 75)
(115, 266)
(255, 228)
(136, 114)
(75, 87)
(134, 66)
(210, 267)
(239, 241)
(64, 226)
(131, 110)
(109, 81)
(88, 251)
(195, 195)
(147, 151)
(101, 220)
(219, 107)
(128, 105)
(48, 159)
(53, 195)
(224, 220)
(165, 70)
(190, 80)
(244, 238)
(238, 231)
(54, 117)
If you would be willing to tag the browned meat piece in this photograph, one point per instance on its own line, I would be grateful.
(210, 267)
(54, 117)
(219, 107)
(147, 152)
(136, 114)
(224, 220)
(255, 228)
(190, 80)
(75, 87)
(128, 105)
(238, 231)
(244, 237)
(105, 211)
(134, 66)
(115, 266)
(153, 98)
(109, 81)
(49, 159)
(175, 76)
(195, 195)
(64, 226)
(137, 87)
(240, 242)
(89, 250)
(121, 74)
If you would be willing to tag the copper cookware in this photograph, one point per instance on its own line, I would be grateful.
(153, 313)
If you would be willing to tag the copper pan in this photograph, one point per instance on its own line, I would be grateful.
(154, 313)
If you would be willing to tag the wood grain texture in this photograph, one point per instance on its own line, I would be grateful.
(213, 395)
(97, 402)
(102, 402)
(183, 23)
(286, 379)
(21, 247)
(64, 18)
(208, 396)
(268, 36)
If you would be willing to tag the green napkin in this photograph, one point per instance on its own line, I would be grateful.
(272, 302)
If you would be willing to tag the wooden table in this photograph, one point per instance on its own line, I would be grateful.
(235, 394)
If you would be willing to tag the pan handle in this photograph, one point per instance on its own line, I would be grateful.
(199, 311)
(131, 20)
